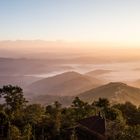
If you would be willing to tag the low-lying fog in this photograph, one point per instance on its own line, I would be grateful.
(28, 73)
(23, 62)
(125, 71)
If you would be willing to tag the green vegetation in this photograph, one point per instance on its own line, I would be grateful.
(24, 121)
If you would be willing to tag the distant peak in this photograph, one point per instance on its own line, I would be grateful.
(72, 72)
(117, 84)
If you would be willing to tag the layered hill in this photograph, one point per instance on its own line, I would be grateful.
(116, 92)
(65, 84)
(98, 72)
(21, 81)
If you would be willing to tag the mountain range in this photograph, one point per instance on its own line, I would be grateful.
(116, 92)
(98, 72)
(64, 87)
(65, 84)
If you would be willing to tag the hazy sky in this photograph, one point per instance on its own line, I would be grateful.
(71, 20)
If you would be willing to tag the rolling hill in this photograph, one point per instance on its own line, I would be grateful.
(98, 72)
(116, 92)
(65, 84)
(21, 81)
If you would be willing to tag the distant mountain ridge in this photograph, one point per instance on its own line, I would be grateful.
(116, 92)
(98, 72)
(65, 84)
(18, 80)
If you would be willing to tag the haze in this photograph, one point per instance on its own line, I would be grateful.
(63, 49)
(90, 28)
(48, 37)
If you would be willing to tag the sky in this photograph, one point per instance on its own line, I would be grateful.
(116, 21)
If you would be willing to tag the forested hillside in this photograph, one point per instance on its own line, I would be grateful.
(24, 121)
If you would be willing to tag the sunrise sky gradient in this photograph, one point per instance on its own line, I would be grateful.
(113, 21)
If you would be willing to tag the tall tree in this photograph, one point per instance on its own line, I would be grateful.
(14, 99)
